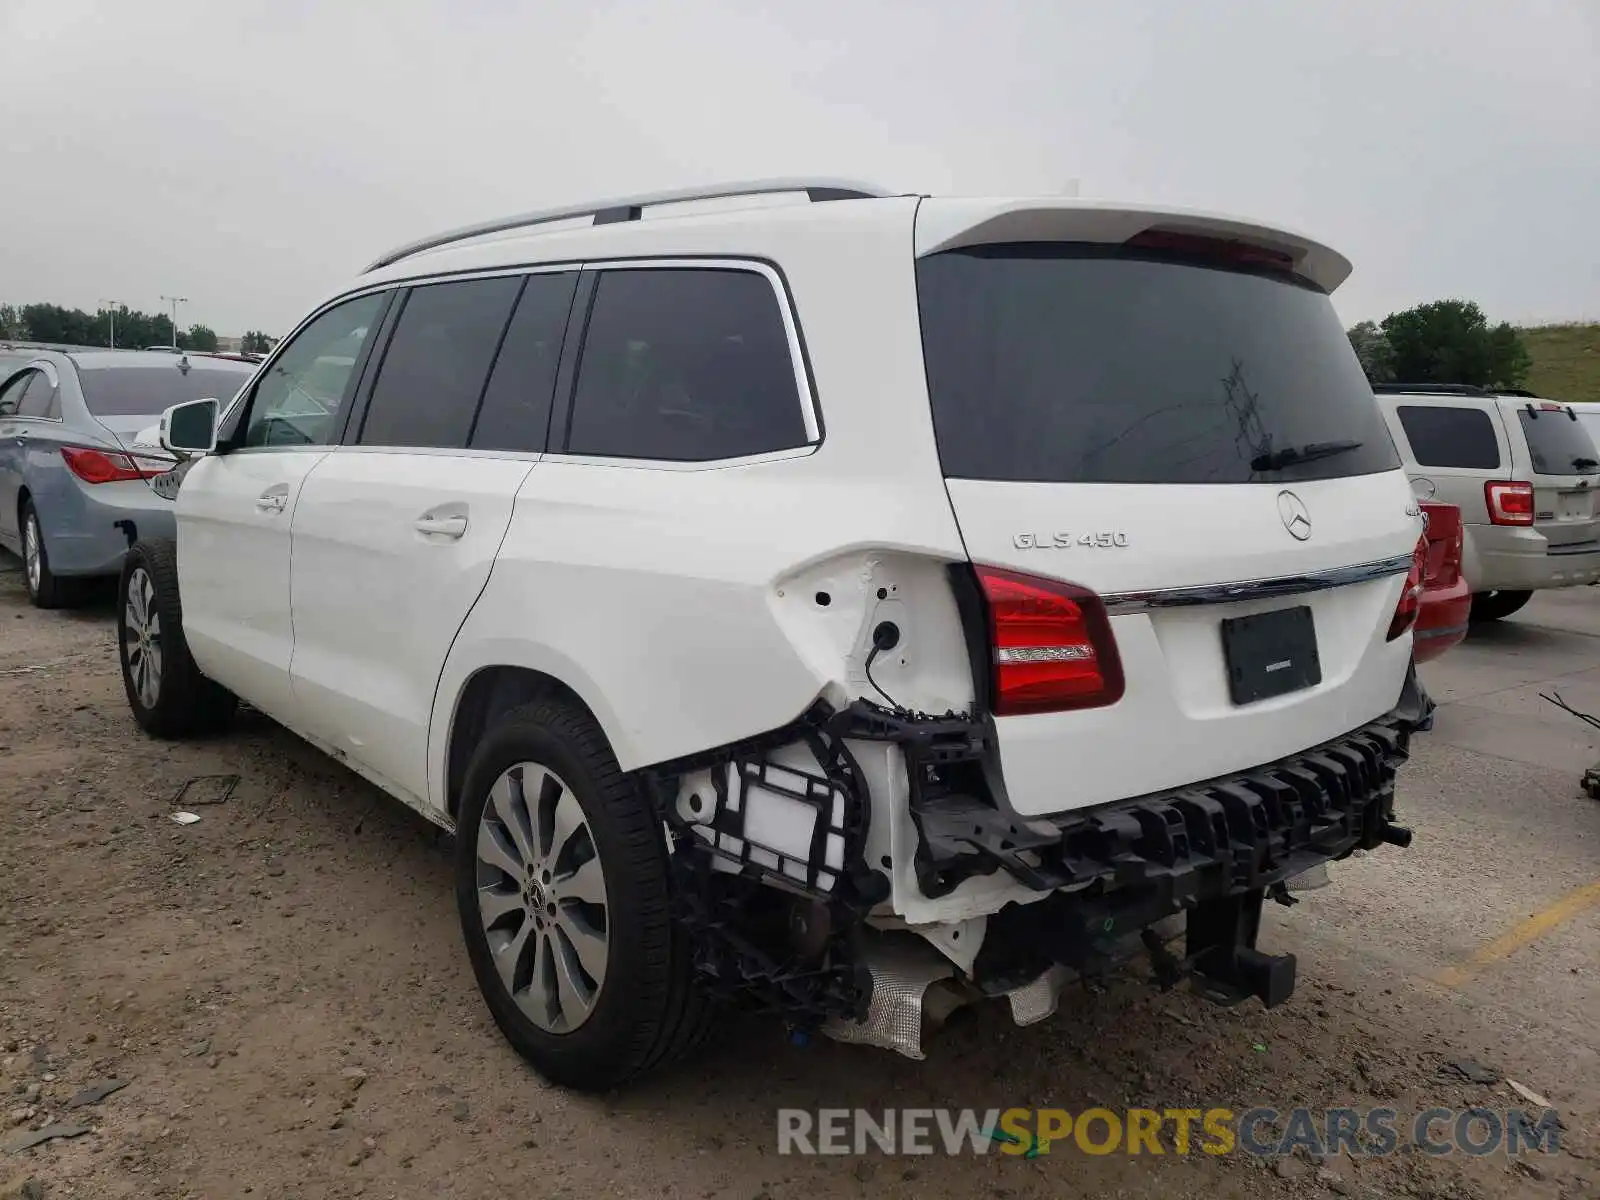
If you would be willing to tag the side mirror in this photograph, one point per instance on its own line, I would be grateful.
(190, 428)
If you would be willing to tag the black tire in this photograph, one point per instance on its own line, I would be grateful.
(1492, 606)
(182, 701)
(50, 590)
(649, 1010)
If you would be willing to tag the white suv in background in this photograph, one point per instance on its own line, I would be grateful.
(1523, 471)
(850, 607)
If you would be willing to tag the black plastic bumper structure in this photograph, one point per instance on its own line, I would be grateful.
(1215, 851)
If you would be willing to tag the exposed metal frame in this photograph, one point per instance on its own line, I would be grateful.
(629, 208)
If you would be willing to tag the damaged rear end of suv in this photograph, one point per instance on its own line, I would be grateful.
(1184, 619)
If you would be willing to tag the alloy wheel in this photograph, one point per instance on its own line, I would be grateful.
(141, 637)
(541, 896)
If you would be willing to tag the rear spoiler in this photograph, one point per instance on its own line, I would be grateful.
(951, 224)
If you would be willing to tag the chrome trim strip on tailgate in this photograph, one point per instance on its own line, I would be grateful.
(1120, 604)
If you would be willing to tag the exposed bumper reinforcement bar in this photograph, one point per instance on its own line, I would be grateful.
(1239, 833)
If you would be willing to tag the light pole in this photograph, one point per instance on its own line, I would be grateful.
(175, 301)
(111, 311)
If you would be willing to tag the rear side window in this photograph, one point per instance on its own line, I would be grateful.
(515, 414)
(11, 393)
(1441, 436)
(151, 390)
(685, 365)
(438, 360)
(1068, 363)
(40, 398)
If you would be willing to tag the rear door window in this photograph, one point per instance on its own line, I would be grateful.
(11, 393)
(38, 399)
(515, 414)
(437, 363)
(686, 365)
(1557, 444)
(1070, 363)
(1444, 436)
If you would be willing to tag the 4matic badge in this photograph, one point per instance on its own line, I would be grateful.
(1115, 540)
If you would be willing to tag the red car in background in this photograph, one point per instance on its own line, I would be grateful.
(1446, 600)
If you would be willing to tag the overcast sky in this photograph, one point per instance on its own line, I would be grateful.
(252, 155)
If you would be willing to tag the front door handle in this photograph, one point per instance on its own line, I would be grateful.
(272, 500)
(450, 527)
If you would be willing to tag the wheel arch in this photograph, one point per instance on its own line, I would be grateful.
(484, 695)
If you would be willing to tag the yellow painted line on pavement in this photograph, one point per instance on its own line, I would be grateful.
(1525, 934)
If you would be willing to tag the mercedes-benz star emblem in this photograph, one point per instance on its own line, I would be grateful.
(1295, 518)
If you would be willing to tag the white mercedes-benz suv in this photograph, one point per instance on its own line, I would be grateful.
(846, 604)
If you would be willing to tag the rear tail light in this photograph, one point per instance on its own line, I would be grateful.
(101, 466)
(1405, 613)
(1052, 645)
(1454, 548)
(1445, 536)
(1509, 503)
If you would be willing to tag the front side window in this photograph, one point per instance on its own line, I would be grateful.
(301, 399)
(685, 365)
(434, 370)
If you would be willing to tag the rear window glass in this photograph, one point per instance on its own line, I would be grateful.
(1441, 436)
(1091, 364)
(1557, 444)
(149, 391)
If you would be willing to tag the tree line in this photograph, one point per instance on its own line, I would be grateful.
(1448, 341)
(134, 329)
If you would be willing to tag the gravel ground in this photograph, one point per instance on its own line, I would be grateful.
(281, 985)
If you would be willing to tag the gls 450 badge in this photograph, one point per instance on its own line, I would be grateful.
(1114, 540)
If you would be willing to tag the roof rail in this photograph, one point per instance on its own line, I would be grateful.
(1429, 389)
(628, 208)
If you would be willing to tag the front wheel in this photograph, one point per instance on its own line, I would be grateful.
(169, 696)
(563, 893)
(1492, 606)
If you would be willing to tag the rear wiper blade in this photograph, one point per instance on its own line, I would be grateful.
(1292, 455)
(1582, 463)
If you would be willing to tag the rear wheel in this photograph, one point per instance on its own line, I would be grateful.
(45, 588)
(169, 696)
(1491, 606)
(562, 888)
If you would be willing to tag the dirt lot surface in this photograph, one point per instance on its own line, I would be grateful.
(282, 986)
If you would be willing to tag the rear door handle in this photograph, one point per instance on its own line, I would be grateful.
(273, 499)
(450, 527)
